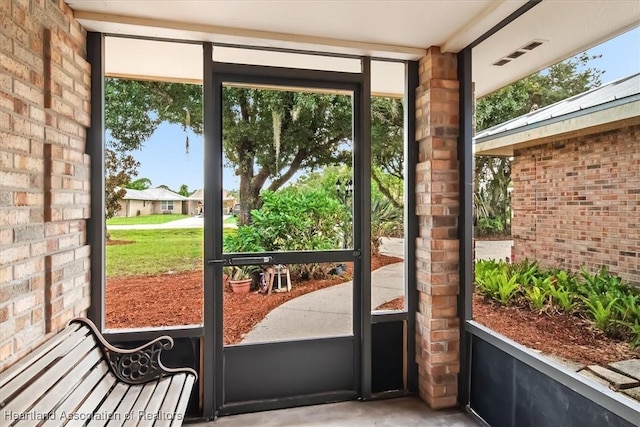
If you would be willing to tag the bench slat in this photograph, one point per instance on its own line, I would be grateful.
(124, 408)
(171, 400)
(33, 392)
(156, 401)
(51, 399)
(69, 406)
(95, 398)
(109, 405)
(35, 367)
(141, 404)
(36, 354)
(181, 407)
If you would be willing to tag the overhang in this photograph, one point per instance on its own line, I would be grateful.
(611, 106)
(396, 30)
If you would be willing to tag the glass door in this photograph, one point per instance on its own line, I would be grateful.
(287, 256)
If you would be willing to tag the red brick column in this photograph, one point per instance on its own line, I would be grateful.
(437, 197)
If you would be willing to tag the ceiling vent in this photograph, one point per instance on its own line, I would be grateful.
(519, 52)
(501, 62)
(532, 45)
(516, 54)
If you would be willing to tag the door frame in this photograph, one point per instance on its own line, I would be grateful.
(212, 357)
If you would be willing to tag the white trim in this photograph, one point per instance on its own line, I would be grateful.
(611, 118)
(148, 27)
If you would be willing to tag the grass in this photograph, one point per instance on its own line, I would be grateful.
(155, 251)
(145, 219)
(231, 220)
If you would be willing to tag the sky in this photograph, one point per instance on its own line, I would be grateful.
(165, 161)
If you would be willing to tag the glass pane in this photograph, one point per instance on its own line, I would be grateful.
(287, 302)
(154, 165)
(287, 179)
(387, 203)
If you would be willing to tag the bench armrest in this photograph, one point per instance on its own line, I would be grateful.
(138, 365)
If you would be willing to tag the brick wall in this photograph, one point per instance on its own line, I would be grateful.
(437, 253)
(577, 202)
(44, 172)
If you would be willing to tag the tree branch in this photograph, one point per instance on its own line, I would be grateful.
(293, 168)
(385, 191)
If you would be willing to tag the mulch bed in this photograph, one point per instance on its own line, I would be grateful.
(561, 335)
(176, 299)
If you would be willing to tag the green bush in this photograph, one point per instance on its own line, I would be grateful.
(292, 220)
(487, 226)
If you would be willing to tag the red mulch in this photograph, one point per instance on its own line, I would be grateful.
(176, 299)
(561, 335)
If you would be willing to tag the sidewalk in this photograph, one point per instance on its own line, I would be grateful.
(328, 312)
(191, 222)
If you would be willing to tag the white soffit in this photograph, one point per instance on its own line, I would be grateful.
(566, 28)
(182, 62)
(400, 29)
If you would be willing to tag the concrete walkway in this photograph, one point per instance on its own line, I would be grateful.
(191, 222)
(328, 312)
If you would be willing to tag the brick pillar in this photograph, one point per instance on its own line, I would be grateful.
(437, 254)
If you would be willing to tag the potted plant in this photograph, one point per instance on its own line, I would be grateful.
(240, 277)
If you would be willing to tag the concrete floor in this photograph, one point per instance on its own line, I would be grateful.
(403, 412)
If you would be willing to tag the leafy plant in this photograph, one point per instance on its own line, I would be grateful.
(507, 288)
(525, 270)
(601, 314)
(562, 297)
(386, 220)
(536, 297)
(245, 239)
(240, 272)
(635, 334)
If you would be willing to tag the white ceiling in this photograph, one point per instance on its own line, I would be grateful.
(400, 29)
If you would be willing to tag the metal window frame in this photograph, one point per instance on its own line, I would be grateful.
(465, 223)
(95, 149)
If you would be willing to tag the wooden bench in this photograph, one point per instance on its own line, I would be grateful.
(78, 378)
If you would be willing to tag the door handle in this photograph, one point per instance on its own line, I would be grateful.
(242, 261)
(251, 260)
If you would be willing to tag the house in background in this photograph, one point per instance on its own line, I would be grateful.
(152, 201)
(195, 202)
(576, 179)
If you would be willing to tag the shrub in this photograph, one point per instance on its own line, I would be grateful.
(291, 220)
(386, 221)
(602, 297)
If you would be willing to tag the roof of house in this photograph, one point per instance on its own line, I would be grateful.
(152, 194)
(612, 102)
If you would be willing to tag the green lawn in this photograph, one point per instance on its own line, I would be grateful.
(233, 220)
(155, 251)
(145, 219)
